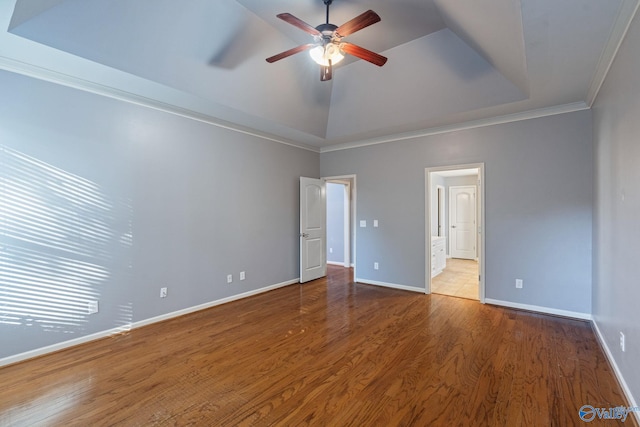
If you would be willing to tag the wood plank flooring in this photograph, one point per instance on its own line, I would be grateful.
(326, 353)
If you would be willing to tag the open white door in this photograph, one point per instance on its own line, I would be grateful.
(313, 233)
(462, 222)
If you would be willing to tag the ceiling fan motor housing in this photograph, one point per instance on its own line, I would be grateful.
(327, 30)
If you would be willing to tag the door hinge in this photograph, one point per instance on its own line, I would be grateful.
(479, 278)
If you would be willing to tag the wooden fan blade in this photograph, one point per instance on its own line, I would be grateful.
(326, 72)
(290, 52)
(287, 17)
(359, 22)
(363, 53)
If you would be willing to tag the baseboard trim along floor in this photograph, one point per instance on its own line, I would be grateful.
(110, 332)
(539, 309)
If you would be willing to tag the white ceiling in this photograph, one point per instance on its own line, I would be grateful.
(451, 63)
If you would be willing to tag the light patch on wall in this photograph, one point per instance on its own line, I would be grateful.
(56, 244)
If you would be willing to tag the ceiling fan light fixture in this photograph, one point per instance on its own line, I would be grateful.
(328, 48)
(329, 52)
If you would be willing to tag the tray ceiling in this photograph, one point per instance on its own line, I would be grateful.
(450, 62)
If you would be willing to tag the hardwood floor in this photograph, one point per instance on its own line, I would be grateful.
(327, 353)
(458, 279)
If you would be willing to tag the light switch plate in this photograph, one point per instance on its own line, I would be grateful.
(363, 223)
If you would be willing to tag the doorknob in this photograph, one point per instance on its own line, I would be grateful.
(305, 235)
(453, 226)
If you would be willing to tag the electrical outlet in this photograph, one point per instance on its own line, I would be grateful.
(163, 292)
(229, 278)
(622, 343)
(242, 276)
(375, 223)
(375, 265)
(519, 283)
(330, 250)
(92, 307)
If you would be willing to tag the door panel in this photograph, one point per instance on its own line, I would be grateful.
(313, 248)
(313, 202)
(462, 222)
(313, 210)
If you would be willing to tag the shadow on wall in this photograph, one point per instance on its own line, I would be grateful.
(59, 239)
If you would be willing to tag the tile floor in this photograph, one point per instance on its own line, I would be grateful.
(458, 279)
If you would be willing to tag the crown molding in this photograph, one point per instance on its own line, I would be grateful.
(626, 13)
(508, 118)
(51, 76)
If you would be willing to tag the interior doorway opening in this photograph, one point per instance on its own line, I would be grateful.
(340, 221)
(454, 238)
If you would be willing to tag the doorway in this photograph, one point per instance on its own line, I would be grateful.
(454, 239)
(341, 211)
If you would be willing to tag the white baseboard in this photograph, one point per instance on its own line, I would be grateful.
(616, 370)
(58, 346)
(110, 332)
(390, 285)
(340, 264)
(539, 309)
(603, 343)
(212, 304)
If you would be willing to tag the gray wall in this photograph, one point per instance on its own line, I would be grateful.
(453, 181)
(111, 201)
(335, 222)
(538, 206)
(616, 289)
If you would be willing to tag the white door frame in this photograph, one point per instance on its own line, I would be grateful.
(350, 217)
(479, 229)
(347, 224)
(440, 199)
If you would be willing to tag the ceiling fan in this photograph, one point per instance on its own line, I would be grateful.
(329, 48)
